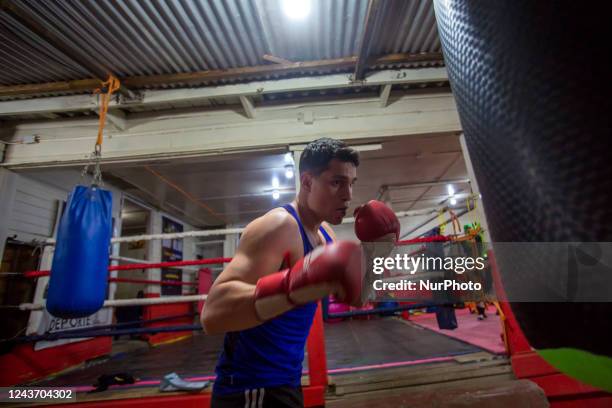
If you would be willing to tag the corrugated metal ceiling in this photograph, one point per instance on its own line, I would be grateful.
(27, 58)
(406, 27)
(155, 37)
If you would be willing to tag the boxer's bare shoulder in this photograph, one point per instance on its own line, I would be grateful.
(263, 245)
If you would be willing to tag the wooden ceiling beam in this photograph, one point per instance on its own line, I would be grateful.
(337, 64)
(367, 38)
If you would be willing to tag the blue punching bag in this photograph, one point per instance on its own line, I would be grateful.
(79, 272)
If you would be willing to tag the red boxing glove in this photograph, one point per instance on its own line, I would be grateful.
(378, 228)
(336, 269)
(374, 221)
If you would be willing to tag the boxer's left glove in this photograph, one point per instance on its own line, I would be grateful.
(378, 229)
(335, 269)
(376, 222)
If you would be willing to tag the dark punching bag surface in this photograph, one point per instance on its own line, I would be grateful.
(79, 273)
(531, 81)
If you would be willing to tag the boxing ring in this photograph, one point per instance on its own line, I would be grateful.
(360, 345)
(353, 346)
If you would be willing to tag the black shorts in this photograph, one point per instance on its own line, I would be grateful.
(285, 396)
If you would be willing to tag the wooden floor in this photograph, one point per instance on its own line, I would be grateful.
(355, 349)
(411, 386)
(400, 386)
(476, 374)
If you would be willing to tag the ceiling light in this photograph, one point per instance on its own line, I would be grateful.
(296, 9)
(275, 182)
(451, 190)
(288, 158)
(275, 194)
(453, 201)
(289, 171)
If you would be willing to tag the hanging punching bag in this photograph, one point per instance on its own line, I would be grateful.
(79, 273)
(534, 100)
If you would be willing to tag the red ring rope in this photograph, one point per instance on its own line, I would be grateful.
(153, 282)
(209, 261)
(435, 238)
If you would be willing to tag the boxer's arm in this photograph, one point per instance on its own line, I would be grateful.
(336, 269)
(230, 305)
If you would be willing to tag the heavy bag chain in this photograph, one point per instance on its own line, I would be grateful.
(94, 159)
(105, 93)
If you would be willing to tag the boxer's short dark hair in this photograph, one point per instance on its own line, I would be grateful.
(317, 155)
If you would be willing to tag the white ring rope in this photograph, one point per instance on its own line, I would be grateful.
(173, 235)
(210, 233)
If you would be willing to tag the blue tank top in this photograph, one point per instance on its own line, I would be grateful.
(271, 354)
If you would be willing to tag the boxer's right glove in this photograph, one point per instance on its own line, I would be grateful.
(337, 269)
